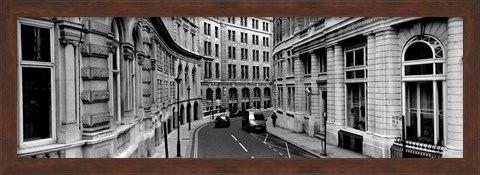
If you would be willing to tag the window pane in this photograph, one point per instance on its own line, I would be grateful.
(421, 69)
(35, 43)
(411, 118)
(349, 59)
(350, 75)
(37, 107)
(360, 74)
(359, 57)
(439, 68)
(356, 106)
(440, 113)
(418, 51)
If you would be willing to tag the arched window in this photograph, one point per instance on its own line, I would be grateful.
(209, 94)
(266, 92)
(194, 77)
(218, 93)
(233, 93)
(245, 93)
(256, 92)
(423, 89)
(187, 83)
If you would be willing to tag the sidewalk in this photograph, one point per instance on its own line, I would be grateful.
(185, 140)
(311, 144)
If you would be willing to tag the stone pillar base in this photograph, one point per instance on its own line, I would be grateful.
(332, 134)
(377, 146)
(452, 153)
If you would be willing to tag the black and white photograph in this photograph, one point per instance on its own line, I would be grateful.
(240, 87)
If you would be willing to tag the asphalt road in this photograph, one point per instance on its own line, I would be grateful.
(234, 142)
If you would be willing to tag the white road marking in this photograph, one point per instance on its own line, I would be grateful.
(280, 154)
(274, 149)
(243, 147)
(269, 146)
(287, 150)
(265, 138)
(253, 157)
(234, 138)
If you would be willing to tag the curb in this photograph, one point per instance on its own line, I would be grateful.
(190, 144)
(298, 146)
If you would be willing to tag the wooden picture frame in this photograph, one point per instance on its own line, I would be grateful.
(11, 9)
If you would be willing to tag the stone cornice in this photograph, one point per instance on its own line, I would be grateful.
(70, 33)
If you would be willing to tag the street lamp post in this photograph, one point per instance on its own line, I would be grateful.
(165, 137)
(188, 116)
(178, 79)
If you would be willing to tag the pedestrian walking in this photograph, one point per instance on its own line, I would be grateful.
(274, 119)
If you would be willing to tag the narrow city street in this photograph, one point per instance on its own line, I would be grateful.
(234, 142)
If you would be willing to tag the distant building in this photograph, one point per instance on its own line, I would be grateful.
(361, 72)
(104, 87)
(236, 63)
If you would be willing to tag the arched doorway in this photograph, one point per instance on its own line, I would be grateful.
(233, 99)
(195, 111)
(256, 98)
(181, 116)
(189, 110)
(174, 124)
(245, 98)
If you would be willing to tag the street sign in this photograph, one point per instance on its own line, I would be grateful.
(397, 122)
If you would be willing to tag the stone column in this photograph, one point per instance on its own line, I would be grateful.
(371, 83)
(339, 86)
(315, 116)
(387, 92)
(330, 87)
(393, 84)
(299, 70)
(68, 82)
(454, 117)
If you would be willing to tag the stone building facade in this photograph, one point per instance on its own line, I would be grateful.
(236, 63)
(93, 87)
(362, 74)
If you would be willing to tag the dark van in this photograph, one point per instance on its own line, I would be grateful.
(254, 120)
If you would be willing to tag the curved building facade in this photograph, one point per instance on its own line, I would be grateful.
(236, 62)
(97, 87)
(362, 74)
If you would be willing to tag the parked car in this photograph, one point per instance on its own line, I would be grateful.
(223, 119)
(254, 120)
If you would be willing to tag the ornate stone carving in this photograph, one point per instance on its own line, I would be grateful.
(95, 96)
(123, 141)
(90, 120)
(147, 40)
(95, 50)
(85, 73)
(100, 95)
(95, 73)
(66, 41)
(147, 92)
(94, 26)
(103, 152)
(153, 63)
(146, 65)
(128, 51)
(359, 24)
(86, 96)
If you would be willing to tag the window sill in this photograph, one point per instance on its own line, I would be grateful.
(289, 77)
(308, 75)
